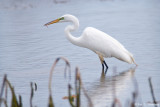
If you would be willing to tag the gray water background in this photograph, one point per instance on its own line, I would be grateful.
(28, 49)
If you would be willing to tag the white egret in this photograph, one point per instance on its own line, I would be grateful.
(97, 41)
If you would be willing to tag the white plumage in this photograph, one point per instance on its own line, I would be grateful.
(105, 45)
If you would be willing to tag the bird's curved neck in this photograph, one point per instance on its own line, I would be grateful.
(69, 29)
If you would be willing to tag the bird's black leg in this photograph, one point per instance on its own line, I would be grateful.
(106, 66)
(102, 67)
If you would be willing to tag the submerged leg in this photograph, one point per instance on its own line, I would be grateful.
(103, 67)
(103, 63)
(106, 66)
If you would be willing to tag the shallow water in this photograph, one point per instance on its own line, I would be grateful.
(28, 49)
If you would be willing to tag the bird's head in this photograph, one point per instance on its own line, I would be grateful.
(64, 18)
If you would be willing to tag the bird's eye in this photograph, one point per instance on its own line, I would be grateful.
(62, 18)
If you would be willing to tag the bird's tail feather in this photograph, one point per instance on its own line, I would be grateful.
(133, 61)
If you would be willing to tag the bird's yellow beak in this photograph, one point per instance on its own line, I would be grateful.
(52, 22)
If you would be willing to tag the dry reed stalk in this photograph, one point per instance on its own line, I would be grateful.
(51, 104)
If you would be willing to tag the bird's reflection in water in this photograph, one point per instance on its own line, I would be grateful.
(102, 92)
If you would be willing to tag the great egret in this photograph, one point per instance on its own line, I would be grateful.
(97, 41)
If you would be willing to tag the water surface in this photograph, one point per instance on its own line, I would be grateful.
(28, 49)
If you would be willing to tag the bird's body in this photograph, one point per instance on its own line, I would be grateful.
(107, 46)
(95, 40)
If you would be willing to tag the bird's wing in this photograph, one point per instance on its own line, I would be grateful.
(101, 42)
